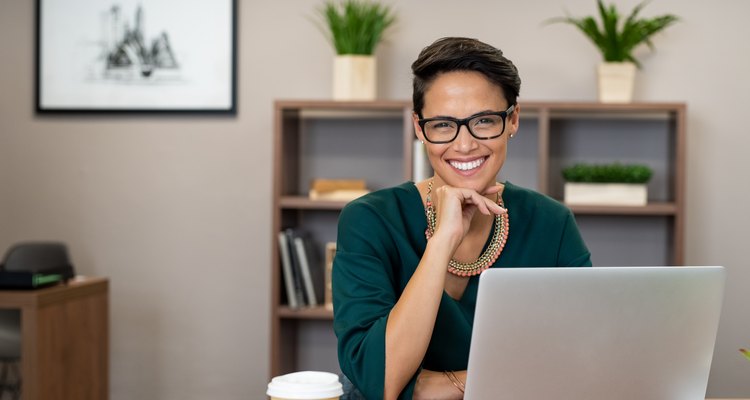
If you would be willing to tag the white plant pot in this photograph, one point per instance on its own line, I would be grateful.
(354, 77)
(606, 194)
(616, 80)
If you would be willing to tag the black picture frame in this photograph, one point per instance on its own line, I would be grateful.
(129, 56)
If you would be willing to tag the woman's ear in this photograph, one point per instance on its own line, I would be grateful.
(417, 128)
(513, 121)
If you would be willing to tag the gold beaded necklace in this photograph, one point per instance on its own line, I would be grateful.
(490, 254)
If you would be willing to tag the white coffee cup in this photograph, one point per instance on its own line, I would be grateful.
(305, 385)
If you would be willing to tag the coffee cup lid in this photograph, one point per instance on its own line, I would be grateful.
(305, 385)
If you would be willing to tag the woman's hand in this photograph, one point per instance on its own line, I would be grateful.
(456, 207)
(435, 385)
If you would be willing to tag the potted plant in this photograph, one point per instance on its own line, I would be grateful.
(606, 184)
(355, 28)
(617, 39)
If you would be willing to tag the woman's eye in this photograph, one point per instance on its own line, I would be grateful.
(486, 121)
(441, 124)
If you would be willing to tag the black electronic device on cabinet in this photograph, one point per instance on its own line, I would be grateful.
(33, 265)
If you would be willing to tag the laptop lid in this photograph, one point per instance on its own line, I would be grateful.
(594, 333)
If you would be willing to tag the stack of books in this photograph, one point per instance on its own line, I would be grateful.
(303, 272)
(337, 189)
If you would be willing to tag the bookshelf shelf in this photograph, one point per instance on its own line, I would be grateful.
(304, 203)
(666, 209)
(374, 141)
(319, 312)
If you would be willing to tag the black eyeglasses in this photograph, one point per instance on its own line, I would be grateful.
(483, 126)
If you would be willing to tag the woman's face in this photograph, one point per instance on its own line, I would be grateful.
(466, 161)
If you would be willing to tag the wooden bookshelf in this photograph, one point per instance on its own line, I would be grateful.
(374, 141)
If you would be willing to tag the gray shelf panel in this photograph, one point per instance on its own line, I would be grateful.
(522, 163)
(316, 347)
(627, 240)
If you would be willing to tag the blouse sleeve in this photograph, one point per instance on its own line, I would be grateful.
(572, 250)
(364, 292)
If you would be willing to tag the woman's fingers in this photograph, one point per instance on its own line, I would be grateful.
(483, 204)
(457, 206)
(466, 202)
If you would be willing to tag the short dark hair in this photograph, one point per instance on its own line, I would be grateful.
(463, 54)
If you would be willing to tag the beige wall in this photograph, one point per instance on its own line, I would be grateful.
(176, 210)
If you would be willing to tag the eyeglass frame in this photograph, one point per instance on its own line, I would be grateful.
(465, 122)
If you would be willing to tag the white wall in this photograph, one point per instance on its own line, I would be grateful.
(176, 210)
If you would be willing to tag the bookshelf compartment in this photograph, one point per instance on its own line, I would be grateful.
(368, 148)
(627, 141)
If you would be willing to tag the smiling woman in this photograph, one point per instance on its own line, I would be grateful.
(408, 258)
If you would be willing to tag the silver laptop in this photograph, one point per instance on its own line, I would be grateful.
(613, 333)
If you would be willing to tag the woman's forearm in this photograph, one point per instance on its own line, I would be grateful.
(412, 319)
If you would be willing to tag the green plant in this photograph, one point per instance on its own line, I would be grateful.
(607, 173)
(616, 40)
(356, 26)
(745, 353)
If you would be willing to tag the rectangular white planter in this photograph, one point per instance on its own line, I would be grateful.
(354, 77)
(616, 81)
(606, 194)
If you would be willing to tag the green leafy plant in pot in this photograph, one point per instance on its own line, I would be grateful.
(608, 173)
(616, 39)
(355, 28)
(606, 184)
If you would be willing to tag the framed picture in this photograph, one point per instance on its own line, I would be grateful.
(136, 56)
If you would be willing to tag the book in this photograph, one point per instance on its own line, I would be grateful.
(339, 195)
(337, 189)
(286, 269)
(296, 271)
(330, 254)
(311, 270)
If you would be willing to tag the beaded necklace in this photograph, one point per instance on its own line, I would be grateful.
(490, 254)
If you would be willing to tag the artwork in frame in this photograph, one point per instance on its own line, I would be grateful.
(136, 56)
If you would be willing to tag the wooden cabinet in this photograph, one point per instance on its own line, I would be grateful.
(64, 339)
(374, 141)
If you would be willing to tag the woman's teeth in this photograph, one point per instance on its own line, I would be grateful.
(465, 166)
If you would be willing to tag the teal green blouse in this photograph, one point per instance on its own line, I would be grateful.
(381, 239)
